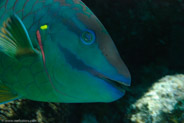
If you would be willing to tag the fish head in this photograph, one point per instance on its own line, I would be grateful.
(87, 67)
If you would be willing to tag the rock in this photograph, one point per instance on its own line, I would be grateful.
(162, 102)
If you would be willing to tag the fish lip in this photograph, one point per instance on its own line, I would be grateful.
(120, 85)
(119, 79)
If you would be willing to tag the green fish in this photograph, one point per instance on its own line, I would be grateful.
(57, 51)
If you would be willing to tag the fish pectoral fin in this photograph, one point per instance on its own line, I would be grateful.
(6, 94)
(14, 38)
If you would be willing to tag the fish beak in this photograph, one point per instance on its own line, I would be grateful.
(120, 72)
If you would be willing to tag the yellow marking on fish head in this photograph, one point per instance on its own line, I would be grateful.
(44, 27)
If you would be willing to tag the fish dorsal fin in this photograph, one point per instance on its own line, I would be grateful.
(14, 38)
(6, 94)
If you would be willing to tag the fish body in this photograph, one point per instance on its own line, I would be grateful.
(57, 51)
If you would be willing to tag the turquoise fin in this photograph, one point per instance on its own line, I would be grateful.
(6, 94)
(14, 38)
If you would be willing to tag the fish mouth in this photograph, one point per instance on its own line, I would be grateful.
(120, 85)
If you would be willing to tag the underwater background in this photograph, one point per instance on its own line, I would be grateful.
(149, 35)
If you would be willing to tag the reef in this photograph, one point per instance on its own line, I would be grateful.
(163, 102)
(31, 111)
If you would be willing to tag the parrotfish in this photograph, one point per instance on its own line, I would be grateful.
(57, 51)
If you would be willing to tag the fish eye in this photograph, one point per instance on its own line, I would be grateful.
(88, 37)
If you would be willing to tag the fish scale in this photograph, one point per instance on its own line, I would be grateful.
(30, 70)
(19, 7)
(24, 72)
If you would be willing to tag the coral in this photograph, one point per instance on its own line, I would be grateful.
(35, 112)
(163, 99)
